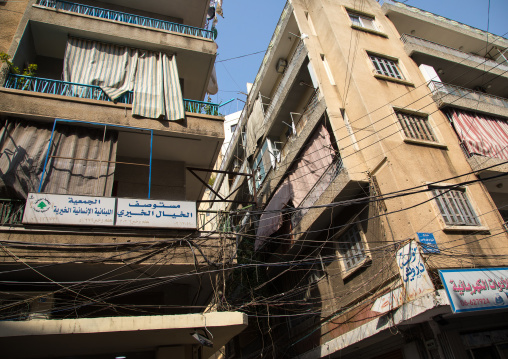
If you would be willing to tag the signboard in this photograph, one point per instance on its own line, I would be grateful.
(389, 301)
(153, 213)
(428, 243)
(44, 208)
(476, 289)
(414, 277)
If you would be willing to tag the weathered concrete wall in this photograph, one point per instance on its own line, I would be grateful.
(11, 13)
(44, 106)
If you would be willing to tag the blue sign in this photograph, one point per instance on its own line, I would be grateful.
(428, 243)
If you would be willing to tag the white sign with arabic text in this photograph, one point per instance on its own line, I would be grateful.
(42, 208)
(155, 213)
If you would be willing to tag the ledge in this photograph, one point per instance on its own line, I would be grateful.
(393, 79)
(458, 229)
(364, 29)
(412, 141)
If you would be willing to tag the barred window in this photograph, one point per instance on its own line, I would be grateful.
(386, 67)
(362, 21)
(416, 127)
(455, 207)
(351, 248)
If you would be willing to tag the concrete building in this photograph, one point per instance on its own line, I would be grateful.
(380, 188)
(101, 253)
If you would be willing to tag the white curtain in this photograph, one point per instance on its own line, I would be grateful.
(153, 76)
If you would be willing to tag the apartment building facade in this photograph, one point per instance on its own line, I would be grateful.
(101, 250)
(375, 140)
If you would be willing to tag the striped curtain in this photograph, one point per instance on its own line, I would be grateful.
(69, 173)
(108, 66)
(157, 87)
(116, 69)
(480, 134)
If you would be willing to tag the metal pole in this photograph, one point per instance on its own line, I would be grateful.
(150, 170)
(47, 155)
(100, 163)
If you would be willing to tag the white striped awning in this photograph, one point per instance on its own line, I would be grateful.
(481, 134)
(153, 76)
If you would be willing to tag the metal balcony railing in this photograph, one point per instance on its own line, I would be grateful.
(11, 211)
(91, 92)
(440, 88)
(321, 185)
(126, 18)
(214, 221)
(409, 39)
(300, 124)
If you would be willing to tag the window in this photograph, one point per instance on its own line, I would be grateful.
(386, 67)
(351, 248)
(364, 21)
(455, 207)
(416, 126)
(265, 160)
(233, 128)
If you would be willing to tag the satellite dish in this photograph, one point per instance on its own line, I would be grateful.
(210, 13)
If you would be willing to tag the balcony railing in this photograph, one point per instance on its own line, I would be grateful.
(300, 124)
(91, 92)
(126, 18)
(321, 185)
(11, 211)
(443, 89)
(408, 39)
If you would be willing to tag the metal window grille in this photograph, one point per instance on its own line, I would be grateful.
(351, 248)
(416, 127)
(386, 67)
(455, 207)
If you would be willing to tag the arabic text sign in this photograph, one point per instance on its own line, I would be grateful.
(476, 289)
(389, 301)
(44, 208)
(154, 213)
(428, 243)
(414, 275)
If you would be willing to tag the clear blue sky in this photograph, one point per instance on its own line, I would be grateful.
(247, 27)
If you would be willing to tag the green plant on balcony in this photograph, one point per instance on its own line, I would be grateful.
(30, 70)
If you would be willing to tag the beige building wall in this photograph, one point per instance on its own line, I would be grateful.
(385, 153)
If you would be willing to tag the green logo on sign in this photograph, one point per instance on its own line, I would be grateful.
(42, 205)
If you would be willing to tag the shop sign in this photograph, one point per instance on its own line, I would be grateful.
(153, 213)
(414, 277)
(476, 289)
(44, 208)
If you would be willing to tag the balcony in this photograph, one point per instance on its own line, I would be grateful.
(288, 79)
(48, 28)
(125, 18)
(319, 188)
(451, 95)
(90, 92)
(415, 45)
